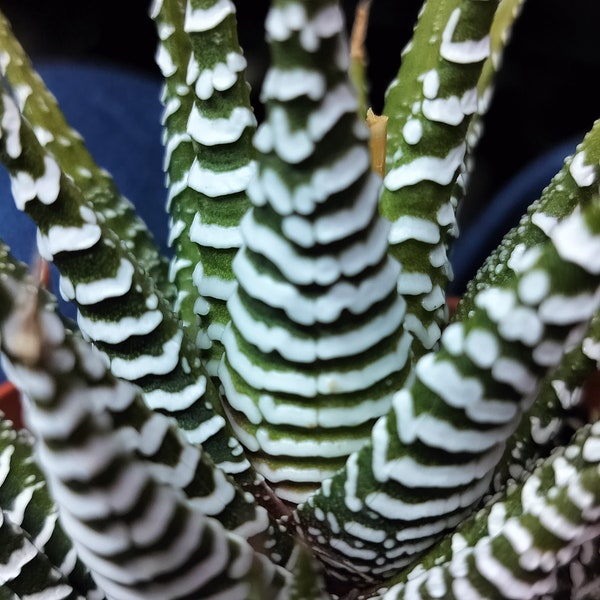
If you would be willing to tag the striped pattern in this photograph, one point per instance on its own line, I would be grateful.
(574, 184)
(551, 416)
(172, 56)
(53, 132)
(432, 458)
(27, 505)
(155, 437)
(209, 125)
(580, 578)
(127, 517)
(557, 410)
(24, 495)
(316, 346)
(119, 309)
(521, 545)
(429, 106)
(24, 570)
(506, 15)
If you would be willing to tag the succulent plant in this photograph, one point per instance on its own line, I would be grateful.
(284, 407)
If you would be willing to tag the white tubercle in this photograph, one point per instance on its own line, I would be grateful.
(295, 145)
(176, 228)
(146, 364)
(45, 188)
(164, 60)
(205, 430)
(414, 283)
(212, 286)
(213, 235)
(431, 83)
(451, 110)
(465, 52)
(427, 335)
(222, 130)
(568, 310)
(583, 174)
(172, 144)
(175, 266)
(411, 473)
(22, 93)
(11, 124)
(121, 330)
(171, 106)
(100, 289)
(325, 308)
(323, 382)
(220, 183)
(279, 446)
(389, 507)
(412, 131)
(339, 101)
(180, 399)
(43, 136)
(408, 227)
(442, 434)
(426, 168)
(221, 77)
(306, 474)
(576, 243)
(289, 84)
(338, 225)
(444, 379)
(60, 238)
(324, 269)
(292, 146)
(198, 20)
(192, 71)
(283, 22)
(307, 349)
(308, 416)
(326, 181)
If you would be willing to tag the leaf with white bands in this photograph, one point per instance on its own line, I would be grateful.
(518, 546)
(156, 438)
(109, 287)
(507, 13)
(557, 410)
(208, 139)
(41, 109)
(25, 501)
(172, 58)
(24, 494)
(316, 346)
(25, 570)
(432, 458)
(429, 106)
(575, 183)
(139, 535)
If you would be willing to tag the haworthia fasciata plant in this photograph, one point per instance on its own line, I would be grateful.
(287, 413)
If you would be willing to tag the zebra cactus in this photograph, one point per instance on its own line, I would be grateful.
(288, 410)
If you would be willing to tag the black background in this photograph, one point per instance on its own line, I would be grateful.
(546, 92)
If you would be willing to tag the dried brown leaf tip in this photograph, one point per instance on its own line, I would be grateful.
(359, 31)
(22, 332)
(378, 126)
